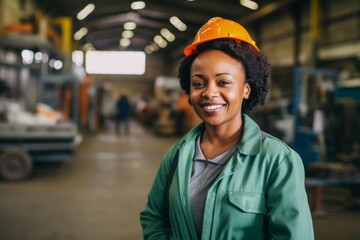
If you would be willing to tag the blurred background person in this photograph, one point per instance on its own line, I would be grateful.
(123, 111)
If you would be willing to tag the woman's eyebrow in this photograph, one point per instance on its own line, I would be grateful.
(220, 74)
(198, 75)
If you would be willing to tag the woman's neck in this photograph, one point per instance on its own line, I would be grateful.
(216, 140)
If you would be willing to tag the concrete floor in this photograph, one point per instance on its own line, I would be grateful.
(99, 194)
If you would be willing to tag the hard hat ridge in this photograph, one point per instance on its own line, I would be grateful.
(216, 28)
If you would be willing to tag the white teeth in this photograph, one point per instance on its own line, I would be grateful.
(212, 107)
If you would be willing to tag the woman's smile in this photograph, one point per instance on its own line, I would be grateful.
(211, 108)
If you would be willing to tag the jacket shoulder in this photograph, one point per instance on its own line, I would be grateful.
(273, 147)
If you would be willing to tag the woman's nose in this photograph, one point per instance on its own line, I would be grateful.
(211, 91)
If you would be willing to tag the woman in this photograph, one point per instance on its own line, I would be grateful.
(230, 180)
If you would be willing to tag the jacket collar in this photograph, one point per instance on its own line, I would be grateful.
(250, 143)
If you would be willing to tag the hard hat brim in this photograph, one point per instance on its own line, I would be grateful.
(192, 47)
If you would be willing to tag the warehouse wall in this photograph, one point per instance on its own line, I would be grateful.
(339, 28)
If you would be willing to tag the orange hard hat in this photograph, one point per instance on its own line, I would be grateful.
(216, 28)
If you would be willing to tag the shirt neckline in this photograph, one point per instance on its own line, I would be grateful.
(219, 159)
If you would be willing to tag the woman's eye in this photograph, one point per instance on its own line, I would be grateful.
(224, 83)
(198, 84)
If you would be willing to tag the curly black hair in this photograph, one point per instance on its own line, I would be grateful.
(257, 68)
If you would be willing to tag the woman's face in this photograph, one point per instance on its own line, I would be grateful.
(217, 88)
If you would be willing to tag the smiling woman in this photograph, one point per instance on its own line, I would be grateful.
(226, 179)
(115, 62)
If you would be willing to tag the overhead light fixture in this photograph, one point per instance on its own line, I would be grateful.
(148, 49)
(58, 64)
(178, 23)
(155, 46)
(27, 56)
(167, 35)
(138, 5)
(249, 4)
(38, 57)
(129, 26)
(78, 57)
(88, 47)
(85, 11)
(125, 42)
(80, 33)
(159, 40)
(127, 34)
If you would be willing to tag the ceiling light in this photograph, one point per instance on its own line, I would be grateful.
(159, 40)
(127, 34)
(80, 33)
(87, 47)
(167, 34)
(154, 46)
(58, 64)
(125, 42)
(38, 57)
(27, 56)
(163, 44)
(138, 5)
(78, 57)
(129, 26)
(149, 49)
(178, 23)
(249, 4)
(85, 11)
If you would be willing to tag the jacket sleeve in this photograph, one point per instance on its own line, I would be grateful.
(154, 217)
(288, 209)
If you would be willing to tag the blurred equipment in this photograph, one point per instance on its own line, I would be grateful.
(186, 115)
(166, 95)
(326, 132)
(321, 122)
(26, 138)
(39, 107)
(313, 91)
(21, 145)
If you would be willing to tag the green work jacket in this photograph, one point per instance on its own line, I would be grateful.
(260, 193)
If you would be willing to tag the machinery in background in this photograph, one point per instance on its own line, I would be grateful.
(319, 117)
(174, 114)
(27, 137)
(326, 132)
(21, 145)
(320, 120)
(166, 93)
(35, 70)
(313, 91)
(326, 124)
(345, 136)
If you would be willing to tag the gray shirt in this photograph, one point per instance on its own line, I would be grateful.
(204, 173)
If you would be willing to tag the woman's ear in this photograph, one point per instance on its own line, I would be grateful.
(247, 90)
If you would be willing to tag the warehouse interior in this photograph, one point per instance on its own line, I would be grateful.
(67, 173)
